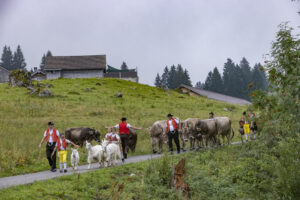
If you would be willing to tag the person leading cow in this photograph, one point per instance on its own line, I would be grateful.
(123, 127)
(172, 126)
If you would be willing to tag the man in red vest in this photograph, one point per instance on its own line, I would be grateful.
(172, 126)
(51, 136)
(124, 134)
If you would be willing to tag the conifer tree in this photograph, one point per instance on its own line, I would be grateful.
(199, 85)
(216, 81)
(124, 66)
(18, 61)
(165, 78)
(187, 79)
(208, 81)
(157, 82)
(43, 61)
(6, 58)
(171, 77)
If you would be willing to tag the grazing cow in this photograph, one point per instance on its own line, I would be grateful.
(189, 132)
(208, 130)
(75, 159)
(111, 152)
(132, 139)
(94, 153)
(81, 134)
(224, 129)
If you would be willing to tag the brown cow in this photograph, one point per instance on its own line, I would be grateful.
(157, 135)
(132, 140)
(189, 132)
(208, 130)
(224, 129)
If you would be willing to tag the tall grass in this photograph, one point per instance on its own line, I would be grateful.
(23, 118)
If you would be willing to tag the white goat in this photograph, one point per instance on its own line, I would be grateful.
(94, 153)
(75, 159)
(111, 152)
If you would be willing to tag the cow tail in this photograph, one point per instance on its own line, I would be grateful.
(232, 133)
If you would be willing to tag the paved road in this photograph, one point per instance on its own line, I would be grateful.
(44, 175)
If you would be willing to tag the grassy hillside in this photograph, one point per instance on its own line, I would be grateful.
(249, 171)
(23, 118)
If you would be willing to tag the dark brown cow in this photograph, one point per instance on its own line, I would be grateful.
(81, 134)
(208, 130)
(132, 139)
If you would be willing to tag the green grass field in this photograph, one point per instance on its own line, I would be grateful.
(23, 118)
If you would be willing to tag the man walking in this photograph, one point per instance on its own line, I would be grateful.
(51, 136)
(172, 126)
(123, 127)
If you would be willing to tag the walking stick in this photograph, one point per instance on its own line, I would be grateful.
(121, 150)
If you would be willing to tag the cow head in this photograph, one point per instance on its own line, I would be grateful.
(184, 131)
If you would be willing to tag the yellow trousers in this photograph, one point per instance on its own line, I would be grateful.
(62, 156)
(246, 128)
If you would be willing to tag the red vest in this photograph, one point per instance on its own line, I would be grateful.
(173, 123)
(54, 136)
(123, 128)
(112, 138)
(64, 144)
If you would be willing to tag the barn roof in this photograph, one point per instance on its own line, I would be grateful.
(75, 62)
(216, 96)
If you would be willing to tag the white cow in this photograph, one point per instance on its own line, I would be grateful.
(111, 152)
(75, 159)
(94, 153)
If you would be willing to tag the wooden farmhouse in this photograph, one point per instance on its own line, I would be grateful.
(75, 66)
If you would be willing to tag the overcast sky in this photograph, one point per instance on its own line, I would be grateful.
(148, 34)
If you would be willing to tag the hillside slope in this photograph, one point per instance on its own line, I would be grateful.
(24, 117)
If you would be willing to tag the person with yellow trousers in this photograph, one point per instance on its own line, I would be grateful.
(61, 147)
(246, 126)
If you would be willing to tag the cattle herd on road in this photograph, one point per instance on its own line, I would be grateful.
(203, 132)
(200, 133)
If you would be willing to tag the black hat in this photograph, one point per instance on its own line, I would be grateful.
(244, 113)
(50, 123)
(169, 115)
(123, 119)
(211, 113)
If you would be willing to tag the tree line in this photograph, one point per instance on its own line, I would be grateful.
(237, 80)
(16, 60)
(172, 78)
(12, 60)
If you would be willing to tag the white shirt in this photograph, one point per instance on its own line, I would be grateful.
(112, 134)
(50, 132)
(171, 125)
(61, 144)
(128, 126)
